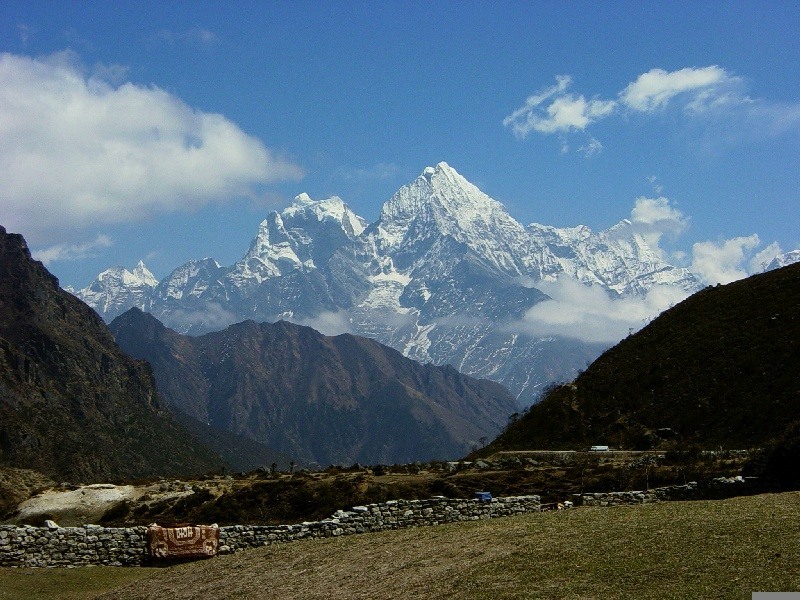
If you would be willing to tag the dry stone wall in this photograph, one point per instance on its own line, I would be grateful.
(95, 545)
(672, 492)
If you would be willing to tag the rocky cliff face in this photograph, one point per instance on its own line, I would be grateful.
(328, 400)
(72, 404)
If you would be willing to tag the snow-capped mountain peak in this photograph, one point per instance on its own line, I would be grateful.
(782, 260)
(444, 275)
(143, 274)
(116, 289)
(442, 203)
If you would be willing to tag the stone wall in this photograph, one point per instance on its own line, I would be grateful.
(715, 489)
(672, 492)
(95, 545)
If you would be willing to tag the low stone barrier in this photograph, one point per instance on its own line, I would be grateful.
(95, 545)
(688, 491)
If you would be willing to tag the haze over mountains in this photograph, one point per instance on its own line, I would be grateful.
(445, 275)
(73, 405)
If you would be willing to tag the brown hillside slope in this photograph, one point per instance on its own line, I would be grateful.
(329, 400)
(72, 404)
(721, 368)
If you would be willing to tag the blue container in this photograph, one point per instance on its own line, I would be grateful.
(483, 496)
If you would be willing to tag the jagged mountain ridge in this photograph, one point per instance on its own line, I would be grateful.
(72, 404)
(325, 400)
(443, 276)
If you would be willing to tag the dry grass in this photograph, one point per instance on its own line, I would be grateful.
(65, 584)
(714, 549)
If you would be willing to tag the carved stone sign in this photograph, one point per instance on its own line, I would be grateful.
(183, 541)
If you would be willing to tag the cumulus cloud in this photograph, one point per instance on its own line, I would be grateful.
(564, 113)
(589, 314)
(77, 151)
(78, 251)
(653, 218)
(654, 89)
(700, 91)
(722, 262)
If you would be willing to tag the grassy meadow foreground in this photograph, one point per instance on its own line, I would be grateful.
(704, 549)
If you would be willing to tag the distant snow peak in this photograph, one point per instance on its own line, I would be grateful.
(303, 199)
(783, 260)
(142, 273)
(437, 276)
(331, 209)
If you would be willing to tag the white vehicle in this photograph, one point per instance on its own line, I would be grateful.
(599, 449)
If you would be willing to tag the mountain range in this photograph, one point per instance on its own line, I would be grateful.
(720, 369)
(445, 275)
(319, 399)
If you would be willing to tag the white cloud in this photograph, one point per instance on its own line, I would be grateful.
(77, 152)
(722, 262)
(709, 92)
(565, 113)
(328, 323)
(590, 148)
(212, 316)
(654, 89)
(589, 314)
(653, 218)
(761, 259)
(65, 252)
(657, 215)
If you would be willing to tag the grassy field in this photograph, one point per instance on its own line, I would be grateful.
(710, 549)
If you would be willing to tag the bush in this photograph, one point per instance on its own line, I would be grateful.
(778, 463)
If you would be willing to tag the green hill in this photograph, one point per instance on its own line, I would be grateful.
(721, 368)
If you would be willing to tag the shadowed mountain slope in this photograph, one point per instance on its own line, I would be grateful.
(72, 404)
(329, 400)
(722, 368)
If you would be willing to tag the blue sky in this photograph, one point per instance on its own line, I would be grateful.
(166, 131)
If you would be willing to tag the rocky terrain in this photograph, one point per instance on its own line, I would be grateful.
(318, 399)
(72, 405)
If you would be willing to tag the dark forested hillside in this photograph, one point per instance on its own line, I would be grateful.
(720, 369)
(72, 404)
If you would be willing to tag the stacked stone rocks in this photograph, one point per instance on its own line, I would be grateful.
(72, 546)
(55, 546)
(672, 492)
(394, 514)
